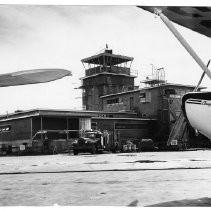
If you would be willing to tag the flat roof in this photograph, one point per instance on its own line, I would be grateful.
(101, 73)
(148, 88)
(107, 57)
(124, 118)
(56, 113)
(46, 112)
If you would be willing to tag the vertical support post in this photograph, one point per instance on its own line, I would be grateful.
(202, 77)
(67, 128)
(103, 63)
(115, 135)
(31, 129)
(100, 65)
(171, 27)
(41, 127)
(130, 64)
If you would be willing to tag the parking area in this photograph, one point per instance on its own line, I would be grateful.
(122, 179)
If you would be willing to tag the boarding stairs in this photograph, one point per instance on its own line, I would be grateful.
(179, 129)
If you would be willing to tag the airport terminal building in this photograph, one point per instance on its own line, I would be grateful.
(112, 104)
(30, 129)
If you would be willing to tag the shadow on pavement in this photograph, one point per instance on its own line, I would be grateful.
(180, 203)
(148, 161)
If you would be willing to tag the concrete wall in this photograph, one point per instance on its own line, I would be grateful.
(155, 101)
(103, 84)
(124, 102)
(127, 128)
(20, 132)
(152, 105)
(108, 79)
(131, 101)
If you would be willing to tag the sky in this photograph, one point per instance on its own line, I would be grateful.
(51, 36)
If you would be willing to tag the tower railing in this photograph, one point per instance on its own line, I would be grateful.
(111, 69)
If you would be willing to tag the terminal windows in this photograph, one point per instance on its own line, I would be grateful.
(145, 97)
(113, 101)
(94, 125)
(5, 128)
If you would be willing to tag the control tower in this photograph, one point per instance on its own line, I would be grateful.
(105, 73)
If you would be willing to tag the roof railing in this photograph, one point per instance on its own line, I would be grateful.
(111, 69)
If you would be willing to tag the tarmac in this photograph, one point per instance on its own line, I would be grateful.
(179, 178)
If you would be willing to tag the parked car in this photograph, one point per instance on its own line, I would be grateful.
(147, 145)
(83, 145)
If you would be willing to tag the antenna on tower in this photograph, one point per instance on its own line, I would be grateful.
(156, 78)
(106, 46)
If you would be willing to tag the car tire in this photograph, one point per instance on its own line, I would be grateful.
(94, 150)
(75, 152)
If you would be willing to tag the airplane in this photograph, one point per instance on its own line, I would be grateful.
(32, 76)
(196, 106)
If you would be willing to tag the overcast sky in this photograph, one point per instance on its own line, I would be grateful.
(34, 37)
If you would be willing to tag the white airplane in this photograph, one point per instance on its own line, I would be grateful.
(196, 106)
(32, 76)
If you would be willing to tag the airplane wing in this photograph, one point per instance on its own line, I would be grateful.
(195, 18)
(32, 76)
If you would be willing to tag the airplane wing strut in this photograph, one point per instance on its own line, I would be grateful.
(181, 39)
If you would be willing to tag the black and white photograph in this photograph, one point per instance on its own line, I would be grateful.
(105, 104)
